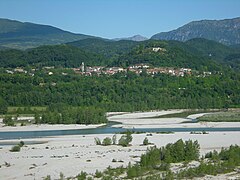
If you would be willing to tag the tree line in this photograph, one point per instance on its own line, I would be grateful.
(121, 92)
(64, 114)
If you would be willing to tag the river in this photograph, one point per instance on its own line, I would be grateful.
(108, 129)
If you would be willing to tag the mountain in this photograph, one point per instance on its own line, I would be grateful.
(19, 35)
(133, 38)
(199, 54)
(211, 49)
(49, 55)
(108, 48)
(167, 54)
(225, 31)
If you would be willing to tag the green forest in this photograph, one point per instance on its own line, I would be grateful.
(123, 91)
(120, 92)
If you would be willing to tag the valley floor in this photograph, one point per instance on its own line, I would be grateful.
(73, 154)
(152, 120)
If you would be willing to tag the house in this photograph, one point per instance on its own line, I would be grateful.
(9, 72)
(157, 49)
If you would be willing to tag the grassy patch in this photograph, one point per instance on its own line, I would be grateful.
(15, 109)
(183, 114)
(228, 116)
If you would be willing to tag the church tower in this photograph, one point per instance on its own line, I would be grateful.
(82, 67)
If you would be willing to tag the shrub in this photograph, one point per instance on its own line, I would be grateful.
(97, 141)
(21, 144)
(133, 171)
(82, 176)
(48, 177)
(114, 139)
(145, 141)
(107, 141)
(98, 174)
(61, 176)
(15, 148)
(125, 139)
(8, 121)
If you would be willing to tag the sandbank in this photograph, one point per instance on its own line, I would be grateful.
(47, 127)
(150, 120)
(73, 154)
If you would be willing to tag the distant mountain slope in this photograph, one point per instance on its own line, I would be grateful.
(49, 55)
(15, 34)
(224, 31)
(210, 48)
(133, 38)
(228, 55)
(199, 54)
(167, 54)
(106, 47)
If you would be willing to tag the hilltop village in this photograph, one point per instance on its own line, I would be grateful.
(137, 69)
(103, 70)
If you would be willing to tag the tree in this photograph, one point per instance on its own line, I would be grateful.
(8, 121)
(37, 118)
(97, 141)
(3, 106)
(114, 139)
(125, 139)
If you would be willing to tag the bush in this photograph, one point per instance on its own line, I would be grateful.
(16, 148)
(125, 139)
(97, 141)
(98, 174)
(133, 171)
(8, 121)
(48, 177)
(145, 141)
(21, 144)
(82, 176)
(114, 139)
(107, 141)
(61, 176)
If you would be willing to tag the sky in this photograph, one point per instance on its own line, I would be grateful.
(117, 18)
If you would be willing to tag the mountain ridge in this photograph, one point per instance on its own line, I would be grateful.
(132, 38)
(226, 31)
(24, 35)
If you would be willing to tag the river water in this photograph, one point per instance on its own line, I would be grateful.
(108, 129)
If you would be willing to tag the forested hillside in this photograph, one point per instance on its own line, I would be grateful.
(123, 91)
(198, 54)
(120, 92)
(19, 35)
(58, 55)
(110, 49)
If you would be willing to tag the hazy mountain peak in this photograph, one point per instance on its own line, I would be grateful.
(133, 38)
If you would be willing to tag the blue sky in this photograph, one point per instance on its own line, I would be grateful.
(117, 18)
